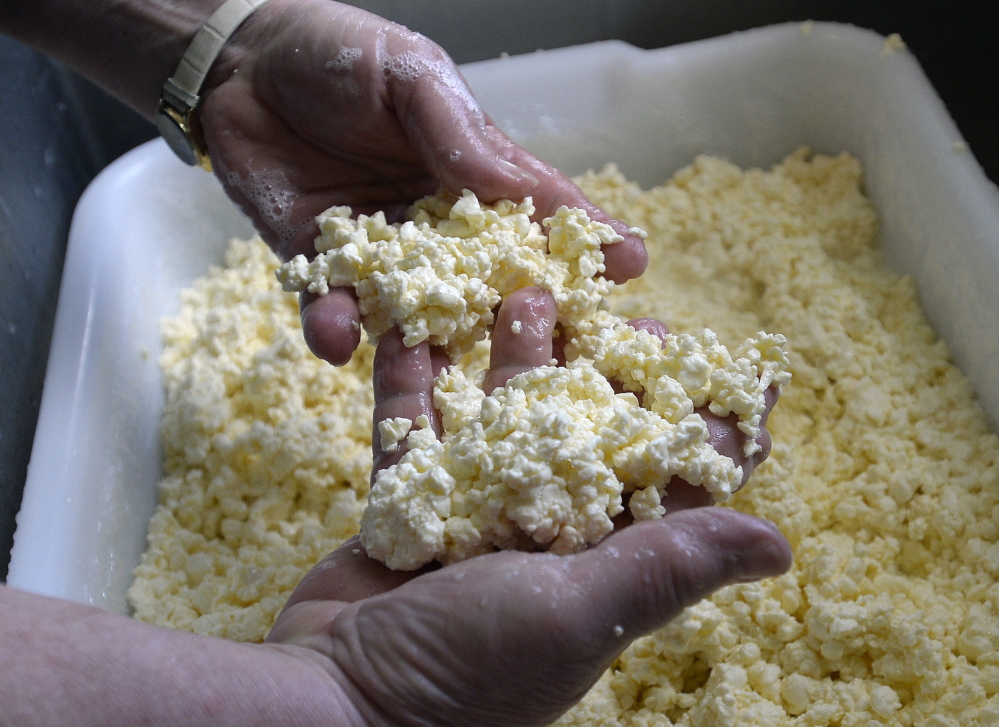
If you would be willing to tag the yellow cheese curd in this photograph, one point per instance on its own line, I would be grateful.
(266, 455)
(883, 473)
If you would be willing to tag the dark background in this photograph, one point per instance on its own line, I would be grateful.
(57, 132)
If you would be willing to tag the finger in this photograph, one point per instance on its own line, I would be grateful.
(331, 324)
(771, 395)
(624, 260)
(653, 325)
(681, 495)
(446, 124)
(403, 382)
(464, 149)
(558, 345)
(439, 360)
(724, 436)
(522, 336)
(763, 439)
(643, 576)
(727, 439)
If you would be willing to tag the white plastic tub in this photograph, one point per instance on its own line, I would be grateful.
(148, 225)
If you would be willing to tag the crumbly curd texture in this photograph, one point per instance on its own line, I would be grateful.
(883, 473)
(548, 459)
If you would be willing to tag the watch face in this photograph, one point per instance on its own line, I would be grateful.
(176, 136)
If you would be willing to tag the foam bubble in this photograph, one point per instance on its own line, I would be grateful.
(344, 60)
(411, 65)
(271, 196)
(408, 66)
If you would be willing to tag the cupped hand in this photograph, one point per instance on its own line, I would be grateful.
(315, 103)
(508, 638)
(723, 434)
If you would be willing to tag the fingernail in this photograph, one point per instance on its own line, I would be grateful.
(522, 175)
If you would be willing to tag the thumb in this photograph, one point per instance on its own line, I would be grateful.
(637, 580)
(445, 123)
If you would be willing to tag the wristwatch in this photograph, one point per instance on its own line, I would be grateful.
(175, 117)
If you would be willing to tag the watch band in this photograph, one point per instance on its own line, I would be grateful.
(180, 94)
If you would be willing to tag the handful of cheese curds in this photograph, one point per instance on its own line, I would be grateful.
(547, 460)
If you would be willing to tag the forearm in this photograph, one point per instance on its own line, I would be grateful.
(66, 664)
(130, 47)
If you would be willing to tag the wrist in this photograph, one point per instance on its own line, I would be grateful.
(251, 34)
(321, 695)
(67, 664)
(129, 47)
(178, 114)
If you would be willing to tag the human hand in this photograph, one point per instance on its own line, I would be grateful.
(723, 434)
(314, 104)
(403, 384)
(509, 638)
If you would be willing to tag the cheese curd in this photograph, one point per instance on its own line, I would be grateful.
(546, 460)
(265, 463)
(535, 464)
(439, 275)
(884, 474)
(539, 463)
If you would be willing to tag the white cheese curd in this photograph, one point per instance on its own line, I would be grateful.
(392, 431)
(545, 461)
(438, 277)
